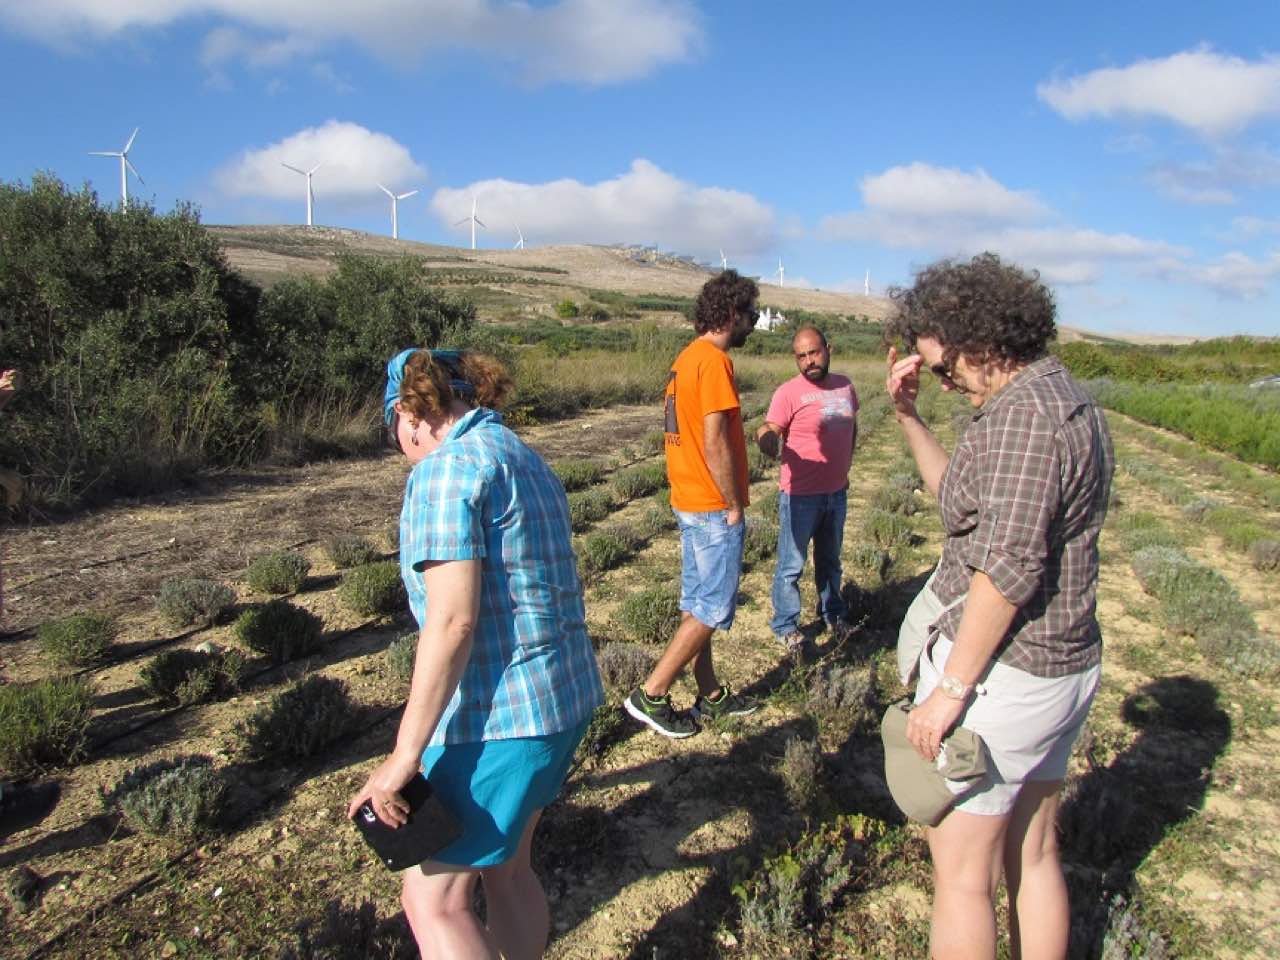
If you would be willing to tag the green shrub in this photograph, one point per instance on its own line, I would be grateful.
(767, 506)
(1139, 530)
(588, 507)
(656, 520)
(605, 729)
(1238, 534)
(402, 655)
(298, 722)
(1199, 508)
(870, 559)
(566, 309)
(578, 474)
(278, 572)
(758, 465)
(789, 893)
(650, 615)
(180, 798)
(653, 443)
(848, 693)
(183, 677)
(895, 500)
(1265, 555)
(1199, 601)
(44, 724)
(375, 588)
(77, 640)
(606, 549)
(640, 481)
(759, 540)
(279, 630)
(799, 770)
(889, 531)
(905, 482)
(350, 551)
(624, 666)
(187, 602)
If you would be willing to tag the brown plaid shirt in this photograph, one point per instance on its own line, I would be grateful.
(1023, 499)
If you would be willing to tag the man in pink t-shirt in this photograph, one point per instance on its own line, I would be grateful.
(813, 418)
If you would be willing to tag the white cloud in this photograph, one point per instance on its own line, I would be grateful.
(644, 205)
(949, 212)
(919, 189)
(1247, 228)
(1204, 91)
(1238, 276)
(353, 159)
(1217, 180)
(584, 41)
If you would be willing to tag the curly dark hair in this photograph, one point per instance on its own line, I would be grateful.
(984, 310)
(722, 299)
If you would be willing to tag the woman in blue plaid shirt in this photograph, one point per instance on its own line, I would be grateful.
(505, 679)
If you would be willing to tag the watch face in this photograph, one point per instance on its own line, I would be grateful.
(952, 687)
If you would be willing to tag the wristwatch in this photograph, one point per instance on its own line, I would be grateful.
(954, 688)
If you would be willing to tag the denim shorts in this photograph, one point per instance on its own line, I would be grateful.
(494, 787)
(711, 563)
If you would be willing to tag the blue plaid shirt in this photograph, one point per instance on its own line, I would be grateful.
(484, 494)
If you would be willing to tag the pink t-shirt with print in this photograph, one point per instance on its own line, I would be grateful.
(817, 422)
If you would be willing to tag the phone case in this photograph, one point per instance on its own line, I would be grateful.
(430, 829)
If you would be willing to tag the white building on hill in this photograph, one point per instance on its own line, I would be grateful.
(768, 320)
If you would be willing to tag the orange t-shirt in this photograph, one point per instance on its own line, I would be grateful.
(701, 382)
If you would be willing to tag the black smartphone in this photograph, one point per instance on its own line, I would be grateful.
(430, 828)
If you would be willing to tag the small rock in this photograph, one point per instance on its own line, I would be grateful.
(170, 949)
(728, 939)
(207, 647)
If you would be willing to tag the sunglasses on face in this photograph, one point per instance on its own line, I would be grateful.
(392, 436)
(942, 372)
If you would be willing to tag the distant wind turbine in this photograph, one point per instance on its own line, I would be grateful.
(866, 284)
(474, 220)
(125, 167)
(724, 264)
(395, 202)
(306, 173)
(781, 273)
(519, 243)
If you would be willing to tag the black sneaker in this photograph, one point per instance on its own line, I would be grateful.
(728, 704)
(659, 714)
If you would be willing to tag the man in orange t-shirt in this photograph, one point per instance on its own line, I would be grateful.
(707, 467)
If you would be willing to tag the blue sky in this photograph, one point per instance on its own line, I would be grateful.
(1130, 152)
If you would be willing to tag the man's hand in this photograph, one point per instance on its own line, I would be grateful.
(768, 439)
(733, 516)
(10, 383)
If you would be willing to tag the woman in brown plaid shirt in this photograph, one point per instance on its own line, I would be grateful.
(1015, 652)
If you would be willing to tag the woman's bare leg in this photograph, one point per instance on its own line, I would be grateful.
(519, 919)
(966, 852)
(437, 901)
(1033, 874)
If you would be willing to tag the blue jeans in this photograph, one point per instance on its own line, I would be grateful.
(803, 517)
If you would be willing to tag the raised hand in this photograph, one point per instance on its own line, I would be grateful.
(903, 382)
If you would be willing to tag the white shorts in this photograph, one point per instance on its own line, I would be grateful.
(1028, 723)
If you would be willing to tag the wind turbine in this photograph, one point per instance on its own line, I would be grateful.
(866, 284)
(395, 202)
(781, 273)
(724, 264)
(474, 220)
(125, 167)
(519, 243)
(306, 173)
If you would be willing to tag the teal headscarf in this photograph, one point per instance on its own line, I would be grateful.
(452, 360)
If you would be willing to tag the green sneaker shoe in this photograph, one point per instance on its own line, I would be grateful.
(728, 704)
(660, 715)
